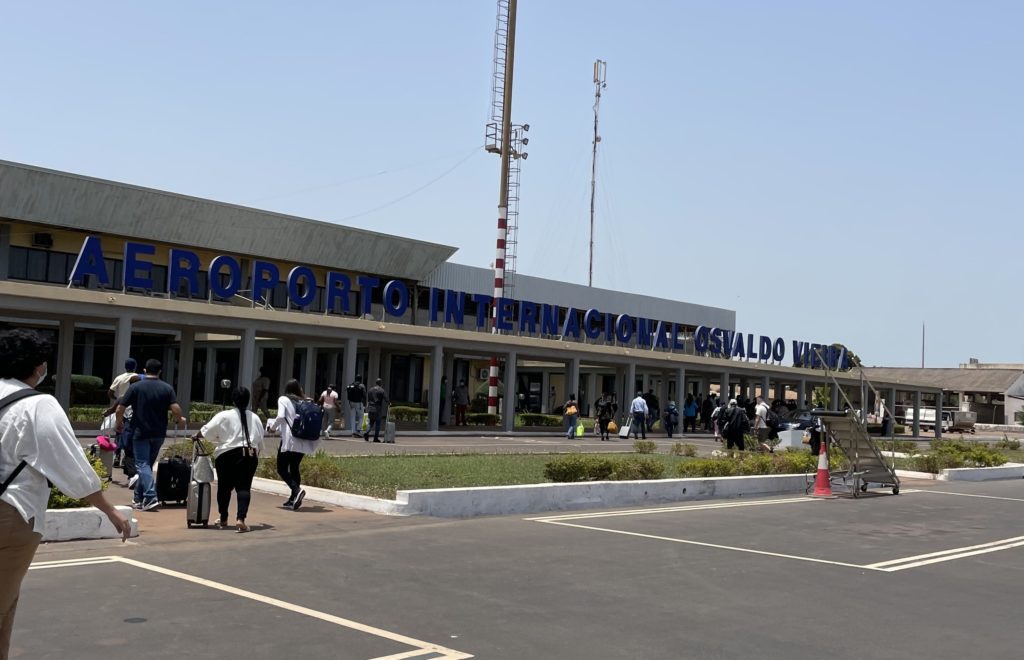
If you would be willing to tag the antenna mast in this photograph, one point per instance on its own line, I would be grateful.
(600, 67)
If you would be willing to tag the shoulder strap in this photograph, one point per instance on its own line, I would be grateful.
(4, 402)
(245, 426)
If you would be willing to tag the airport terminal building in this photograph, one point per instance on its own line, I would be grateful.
(218, 291)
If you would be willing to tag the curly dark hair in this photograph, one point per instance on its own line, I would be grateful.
(21, 351)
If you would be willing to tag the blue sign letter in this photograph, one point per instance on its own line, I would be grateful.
(90, 262)
(234, 282)
(305, 295)
(260, 284)
(177, 271)
(391, 306)
(338, 286)
(133, 264)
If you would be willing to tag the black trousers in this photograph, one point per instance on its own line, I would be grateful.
(235, 472)
(288, 468)
(691, 422)
(604, 427)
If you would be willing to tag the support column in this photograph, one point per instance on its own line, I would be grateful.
(801, 395)
(373, 371)
(917, 414)
(62, 370)
(545, 385)
(591, 395)
(630, 386)
(247, 358)
(186, 356)
(351, 353)
(724, 388)
(765, 386)
(287, 367)
(122, 344)
(309, 377)
(508, 413)
(209, 374)
(436, 371)
(332, 369)
(572, 368)
(938, 415)
(680, 388)
(835, 396)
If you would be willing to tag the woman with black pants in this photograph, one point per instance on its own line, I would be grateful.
(292, 449)
(238, 435)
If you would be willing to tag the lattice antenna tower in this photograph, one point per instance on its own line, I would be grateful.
(600, 69)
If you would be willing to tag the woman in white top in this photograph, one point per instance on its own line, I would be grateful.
(292, 449)
(238, 434)
(36, 443)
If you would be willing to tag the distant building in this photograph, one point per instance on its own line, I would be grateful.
(994, 391)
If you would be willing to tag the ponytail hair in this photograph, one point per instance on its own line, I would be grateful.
(240, 396)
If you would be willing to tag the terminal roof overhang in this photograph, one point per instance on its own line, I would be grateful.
(70, 201)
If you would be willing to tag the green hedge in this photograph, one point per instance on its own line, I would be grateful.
(88, 390)
(583, 467)
(409, 413)
(745, 463)
(59, 500)
(484, 419)
(534, 419)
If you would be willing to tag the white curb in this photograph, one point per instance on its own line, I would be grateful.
(539, 498)
(84, 523)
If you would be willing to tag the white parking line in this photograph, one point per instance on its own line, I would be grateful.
(421, 647)
(669, 509)
(903, 564)
(711, 545)
(984, 497)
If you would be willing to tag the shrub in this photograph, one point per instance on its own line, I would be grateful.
(485, 419)
(579, 467)
(183, 447)
(903, 446)
(409, 414)
(59, 500)
(1007, 443)
(88, 390)
(680, 449)
(533, 419)
(708, 467)
(319, 470)
(645, 446)
(635, 468)
(751, 463)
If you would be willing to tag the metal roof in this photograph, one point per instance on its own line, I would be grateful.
(473, 279)
(60, 199)
(952, 380)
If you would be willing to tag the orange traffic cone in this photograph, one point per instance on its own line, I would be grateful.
(822, 482)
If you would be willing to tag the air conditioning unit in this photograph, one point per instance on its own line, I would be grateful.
(484, 374)
(42, 240)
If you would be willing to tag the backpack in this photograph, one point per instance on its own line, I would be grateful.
(773, 421)
(354, 392)
(309, 419)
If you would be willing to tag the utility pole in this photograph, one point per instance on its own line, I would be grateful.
(922, 344)
(600, 67)
(504, 59)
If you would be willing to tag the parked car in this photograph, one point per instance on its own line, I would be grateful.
(799, 419)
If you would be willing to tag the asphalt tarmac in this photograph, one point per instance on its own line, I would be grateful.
(935, 572)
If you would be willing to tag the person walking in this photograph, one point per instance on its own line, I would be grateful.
(355, 393)
(735, 426)
(292, 450)
(117, 390)
(606, 410)
(149, 399)
(671, 418)
(763, 431)
(461, 403)
(377, 407)
(639, 410)
(260, 394)
(238, 434)
(653, 408)
(706, 408)
(571, 413)
(37, 444)
(329, 402)
(718, 420)
(690, 414)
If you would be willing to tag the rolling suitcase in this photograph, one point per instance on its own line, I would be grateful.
(172, 477)
(624, 429)
(389, 431)
(199, 488)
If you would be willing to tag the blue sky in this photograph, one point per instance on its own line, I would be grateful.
(831, 171)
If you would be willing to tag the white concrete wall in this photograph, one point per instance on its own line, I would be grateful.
(86, 523)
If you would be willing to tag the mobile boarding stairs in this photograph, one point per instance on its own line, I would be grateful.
(849, 432)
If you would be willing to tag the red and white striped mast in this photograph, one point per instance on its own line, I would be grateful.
(501, 108)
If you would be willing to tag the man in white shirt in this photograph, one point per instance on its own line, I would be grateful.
(116, 391)
(761, 421)
(36, 443)
(639, 410)
(329, 401)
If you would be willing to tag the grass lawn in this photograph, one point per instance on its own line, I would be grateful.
(382, 476)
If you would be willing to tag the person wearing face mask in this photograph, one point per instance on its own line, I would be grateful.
(37, 444)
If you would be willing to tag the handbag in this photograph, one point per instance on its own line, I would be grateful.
(580, 431)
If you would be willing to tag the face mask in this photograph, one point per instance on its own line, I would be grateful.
(42, 379)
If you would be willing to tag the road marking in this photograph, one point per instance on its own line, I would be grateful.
(947, 555)
(984, 497)
(62, 563)
(421, 647)
(402, 656)
(669, 509)
(712, 545)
